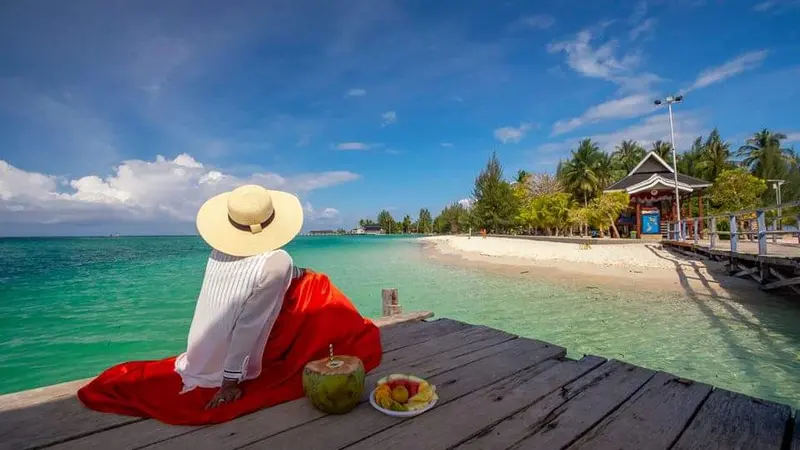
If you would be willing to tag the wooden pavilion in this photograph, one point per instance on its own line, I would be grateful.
(651, 186)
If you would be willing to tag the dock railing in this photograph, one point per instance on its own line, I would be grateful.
(754, 225)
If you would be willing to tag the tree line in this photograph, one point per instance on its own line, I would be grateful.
(573, 200)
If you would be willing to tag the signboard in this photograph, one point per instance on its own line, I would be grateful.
(651, 221)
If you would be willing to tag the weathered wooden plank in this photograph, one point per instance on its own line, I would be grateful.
(730, 421)
(782, 277)
(340, 431)
(565, 414)
(414, 316)
(782, 283)
(435, 346)
(271, 421)
(48, 415)
(52, 414)
(653, 418)
(481, 408)
(744, 272)
(132, 436)
(469, 353)
(402, 335)
(753, 274)
(24, 399)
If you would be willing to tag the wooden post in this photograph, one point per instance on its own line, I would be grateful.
(713, 237)
(775, 228)
(700, 212)
(762, 232)
(391, 302)
(638, 220)
(695, 231)
(734, 234)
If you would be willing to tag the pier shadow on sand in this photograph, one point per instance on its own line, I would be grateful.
(717, 288)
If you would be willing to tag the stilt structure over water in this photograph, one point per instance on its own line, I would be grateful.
(752, 243)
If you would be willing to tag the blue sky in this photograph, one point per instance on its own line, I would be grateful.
(123, 116)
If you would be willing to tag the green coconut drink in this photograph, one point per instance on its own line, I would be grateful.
(334, 384)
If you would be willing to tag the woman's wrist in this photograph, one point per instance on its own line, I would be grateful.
(229, 382)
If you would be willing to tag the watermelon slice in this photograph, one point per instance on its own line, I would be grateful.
(404, 392)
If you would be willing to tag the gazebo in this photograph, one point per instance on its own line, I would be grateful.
(651, 186)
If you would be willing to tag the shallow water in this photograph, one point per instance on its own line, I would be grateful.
(71, 307)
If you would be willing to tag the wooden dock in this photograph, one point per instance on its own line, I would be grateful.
(496, 391)
(778, 268)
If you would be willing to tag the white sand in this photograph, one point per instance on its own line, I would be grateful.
(624, 255)
(641, 267)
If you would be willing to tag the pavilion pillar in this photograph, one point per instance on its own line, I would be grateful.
(684, 215)
(700, 213)
(638, 220)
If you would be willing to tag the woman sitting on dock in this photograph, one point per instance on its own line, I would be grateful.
(258, 321)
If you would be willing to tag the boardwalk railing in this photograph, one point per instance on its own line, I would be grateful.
(749, 224)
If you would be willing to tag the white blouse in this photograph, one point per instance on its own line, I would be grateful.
(236, 309)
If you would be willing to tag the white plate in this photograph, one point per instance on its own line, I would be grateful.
(389, 412)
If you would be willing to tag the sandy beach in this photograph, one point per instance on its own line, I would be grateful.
(638, 266)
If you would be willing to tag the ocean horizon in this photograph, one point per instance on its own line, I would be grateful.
(73, 306)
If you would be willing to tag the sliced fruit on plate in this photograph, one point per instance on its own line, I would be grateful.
(399, 392)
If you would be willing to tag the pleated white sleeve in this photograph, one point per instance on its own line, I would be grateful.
(256, 318)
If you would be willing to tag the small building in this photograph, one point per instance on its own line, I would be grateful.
(321, 232)
(651, 186)
(369, 229)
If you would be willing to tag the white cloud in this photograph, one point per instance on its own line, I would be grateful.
(776, 6)
(603, 62)
(446, 145)
(687, 127)
(538, 21)
(765, 6)
(326, 215)
(733, 67)
(793, 137)
(512, 134)
(466, 202)
(621, 108)
(141, 191)
(354, 146)
(388, 118)
(641, 29)
(356, 92)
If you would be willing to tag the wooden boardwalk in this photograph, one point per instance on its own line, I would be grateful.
(496, 391)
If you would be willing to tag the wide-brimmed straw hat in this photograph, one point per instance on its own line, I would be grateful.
(250, 220)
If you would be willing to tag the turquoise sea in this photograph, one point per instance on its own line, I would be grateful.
(70, 307)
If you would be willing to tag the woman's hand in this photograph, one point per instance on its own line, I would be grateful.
(228, 393)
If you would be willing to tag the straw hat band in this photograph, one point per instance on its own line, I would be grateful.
(253, 228)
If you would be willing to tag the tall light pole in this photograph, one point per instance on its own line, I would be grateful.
(669, 101)
(776, 184)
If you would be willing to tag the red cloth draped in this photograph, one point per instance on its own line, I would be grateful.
(314, 314)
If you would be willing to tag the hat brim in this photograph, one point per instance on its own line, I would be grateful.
(216, 229)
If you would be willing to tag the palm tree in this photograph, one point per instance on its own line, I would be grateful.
(689, 162)
(662, 149)
(715, 156)
(605, 171)
(763, 154)
(522, 176)
(627, 155)
(582, 173)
